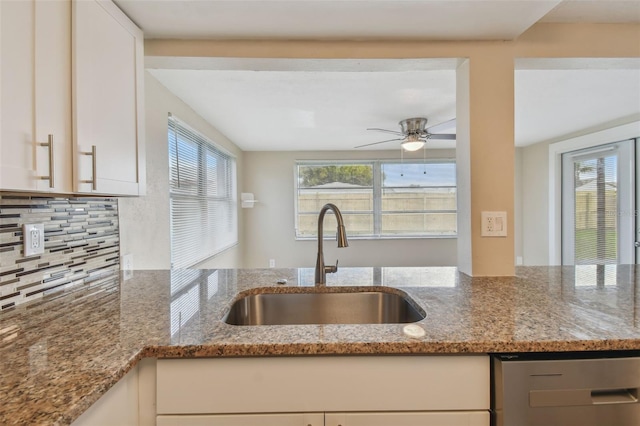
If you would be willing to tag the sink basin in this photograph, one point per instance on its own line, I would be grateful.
(363, 307)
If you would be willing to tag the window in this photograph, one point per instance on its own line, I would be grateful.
(378, 199)
(202, 186)
(598, 205)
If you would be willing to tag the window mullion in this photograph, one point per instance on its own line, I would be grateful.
(377, 198)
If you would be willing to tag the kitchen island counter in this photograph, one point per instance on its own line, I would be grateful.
(60, 354)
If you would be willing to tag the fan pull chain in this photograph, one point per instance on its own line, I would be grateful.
(424, 159)
(401, 162)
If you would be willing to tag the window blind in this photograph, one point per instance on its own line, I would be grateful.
(598, 205)
(202, 190)
(595, 207)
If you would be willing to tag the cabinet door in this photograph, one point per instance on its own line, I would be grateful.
(107, 94)
(442, 418)
(35, 96)
(53, 96)
(293, 419)
(16, 141)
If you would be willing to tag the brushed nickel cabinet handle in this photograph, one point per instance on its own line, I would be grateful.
(94, 167)
(50, 178)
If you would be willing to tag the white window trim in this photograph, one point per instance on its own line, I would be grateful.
(614, 134)
(378, 189)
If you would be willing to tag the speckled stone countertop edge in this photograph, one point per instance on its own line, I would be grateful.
(375, 348)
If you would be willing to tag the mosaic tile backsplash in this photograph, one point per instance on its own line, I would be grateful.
(82, 245)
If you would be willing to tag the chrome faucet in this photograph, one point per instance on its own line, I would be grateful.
(321, 269)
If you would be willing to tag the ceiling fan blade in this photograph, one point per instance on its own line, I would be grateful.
(376, 143)
(387, 131)
(440, 127)
(443, 136)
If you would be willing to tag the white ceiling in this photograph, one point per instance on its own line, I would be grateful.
(336, 19)
(314, 108)
(328, 104)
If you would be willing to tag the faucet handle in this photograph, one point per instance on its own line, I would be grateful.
(331, 269)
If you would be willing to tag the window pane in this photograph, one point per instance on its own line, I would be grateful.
(596, 210)
(418, 174)
(348, 186)
(356, 224)
(213, 175)
(335, 176)
(347, 200)
(419, 199)
(183, 158)
(408, 199)
(419, 223)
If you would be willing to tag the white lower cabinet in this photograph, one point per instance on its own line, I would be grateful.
(119, 406)
(467, 418)
(336, 390)
(130, 402)
(472, 418)
(291, 419)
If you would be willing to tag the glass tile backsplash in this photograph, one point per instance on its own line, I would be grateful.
(81, 247)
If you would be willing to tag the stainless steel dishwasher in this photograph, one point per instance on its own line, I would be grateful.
(566, 389)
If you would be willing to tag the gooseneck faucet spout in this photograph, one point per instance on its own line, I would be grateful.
(321, 269)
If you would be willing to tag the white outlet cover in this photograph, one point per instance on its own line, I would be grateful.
(494, 224)
(33, 238)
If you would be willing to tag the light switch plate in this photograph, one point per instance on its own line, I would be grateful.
(494, 224)
(33, 238)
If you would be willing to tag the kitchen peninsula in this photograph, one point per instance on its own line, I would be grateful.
(60, 354)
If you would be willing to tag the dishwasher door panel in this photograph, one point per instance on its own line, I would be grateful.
(565, 392)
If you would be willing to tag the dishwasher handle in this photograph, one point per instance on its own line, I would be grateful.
(614, 396)
(575, 397)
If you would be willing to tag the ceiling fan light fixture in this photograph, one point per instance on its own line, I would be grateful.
(412, 143)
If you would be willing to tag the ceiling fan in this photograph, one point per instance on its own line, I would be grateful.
(414, 133)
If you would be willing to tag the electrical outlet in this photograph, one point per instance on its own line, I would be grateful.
(33, 238)
(494, 224)
(126, 266)
(272, 263)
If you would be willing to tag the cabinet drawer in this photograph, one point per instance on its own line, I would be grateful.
(319, 384)
(302, 419)
(467, 418)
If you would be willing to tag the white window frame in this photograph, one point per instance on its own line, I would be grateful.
(205, 145)
(377, 197)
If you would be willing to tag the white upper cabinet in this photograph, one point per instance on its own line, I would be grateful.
(70, 85)
(35, 125)
(107, 100)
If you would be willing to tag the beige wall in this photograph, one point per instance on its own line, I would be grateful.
(517, 205)
(535, 204)
(269, 226)
(144, 221)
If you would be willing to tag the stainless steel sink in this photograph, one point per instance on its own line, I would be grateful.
(369, 307)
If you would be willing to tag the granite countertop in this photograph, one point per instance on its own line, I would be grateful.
(60, 354)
